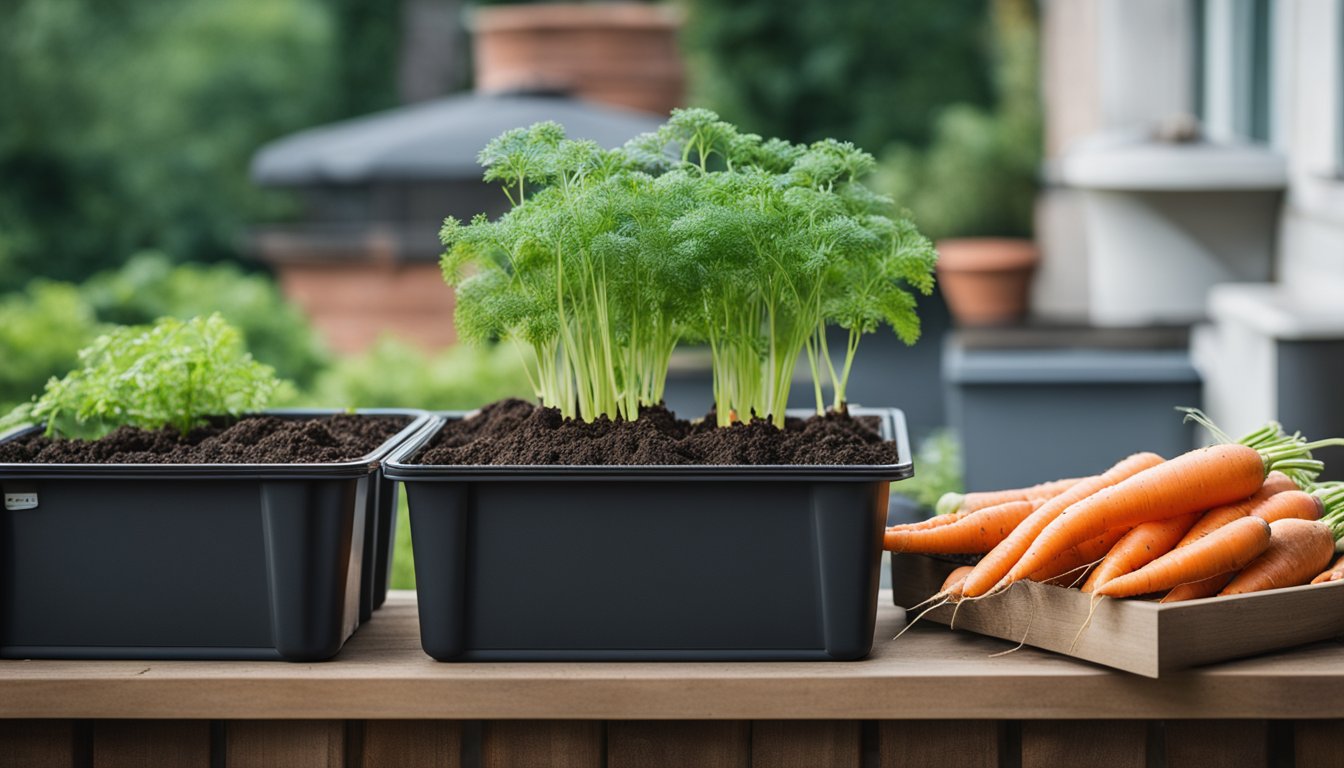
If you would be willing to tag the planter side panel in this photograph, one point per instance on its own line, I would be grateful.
(378, 496)
(101, 563)
(180, 569)
(314, 540)
(647, 569)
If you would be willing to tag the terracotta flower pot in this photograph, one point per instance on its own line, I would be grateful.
(617, 53)
(986, 281)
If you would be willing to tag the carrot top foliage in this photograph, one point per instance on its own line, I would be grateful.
(697, 232)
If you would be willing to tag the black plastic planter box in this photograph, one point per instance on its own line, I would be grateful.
(648, 562)
(189, 561)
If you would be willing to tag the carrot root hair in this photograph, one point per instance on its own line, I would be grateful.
(1031, 617)
(912, 622)
(1095, 601)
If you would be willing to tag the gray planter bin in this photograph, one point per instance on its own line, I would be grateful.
(1031, 405)
(191, 561)
(533, 563)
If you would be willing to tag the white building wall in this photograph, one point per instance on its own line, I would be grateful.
(1311, 60)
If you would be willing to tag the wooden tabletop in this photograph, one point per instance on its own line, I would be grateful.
(929, 673)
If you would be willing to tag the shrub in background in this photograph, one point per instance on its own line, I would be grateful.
(149, 286)
(867, 71)
(978, 175)
(395, 374)
(41, 332)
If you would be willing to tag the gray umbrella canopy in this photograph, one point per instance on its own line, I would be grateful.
(436, 140)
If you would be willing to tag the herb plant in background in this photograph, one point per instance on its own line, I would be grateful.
(610, 258)
(176, 373)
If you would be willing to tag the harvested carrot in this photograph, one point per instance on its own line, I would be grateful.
(1298, 550)
(1290, 505)
(1282, 506)
(991, 569)
(1070, 567)
(969, 502)
(954, 578)
(1193, 482)
(1141, 546)
(1275, 483)
(1335, 573)
(974, 534)
(1230, 548)
(937, 521)
(1199, 589)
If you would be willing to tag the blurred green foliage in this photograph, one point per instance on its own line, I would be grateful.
(867, 71)
(938, 470)
(367, 42)
(41, 333)
(43, 327)
(978, 175)
(128, 124)
(149, 286)
(394, 374)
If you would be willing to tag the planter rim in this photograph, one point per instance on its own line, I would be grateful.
(892, 428)
(420, 420)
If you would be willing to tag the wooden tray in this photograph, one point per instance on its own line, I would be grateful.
(1138, 636)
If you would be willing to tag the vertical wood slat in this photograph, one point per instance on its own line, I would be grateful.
(554, 743)
(939, 744)
(287, 743)
(420, 743)
(1319, 743)
(1113, 743)
(678, 744)
(37, 744)
(806, 744)
(1217, 743)
(140, 743)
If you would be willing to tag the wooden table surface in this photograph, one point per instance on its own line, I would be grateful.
(929, 673)
(933, 699)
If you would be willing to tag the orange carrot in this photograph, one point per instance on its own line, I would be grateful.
(1192, 482)
(970, 502)
(1196, 590)
(1298, 550)
(991, 569)
(954, 578)
(1275, 483)
(1229, 548)
(974, 534)
(1335, 573)
(1070, 567)
(1288, 505)
(937, 521)
(1141, 546)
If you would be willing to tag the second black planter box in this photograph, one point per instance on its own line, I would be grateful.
(648, 562)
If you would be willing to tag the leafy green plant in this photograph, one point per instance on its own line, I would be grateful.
(610, 258)
(175, 374)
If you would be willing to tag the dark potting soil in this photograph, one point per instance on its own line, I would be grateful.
(520, 433)
(252, 440)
